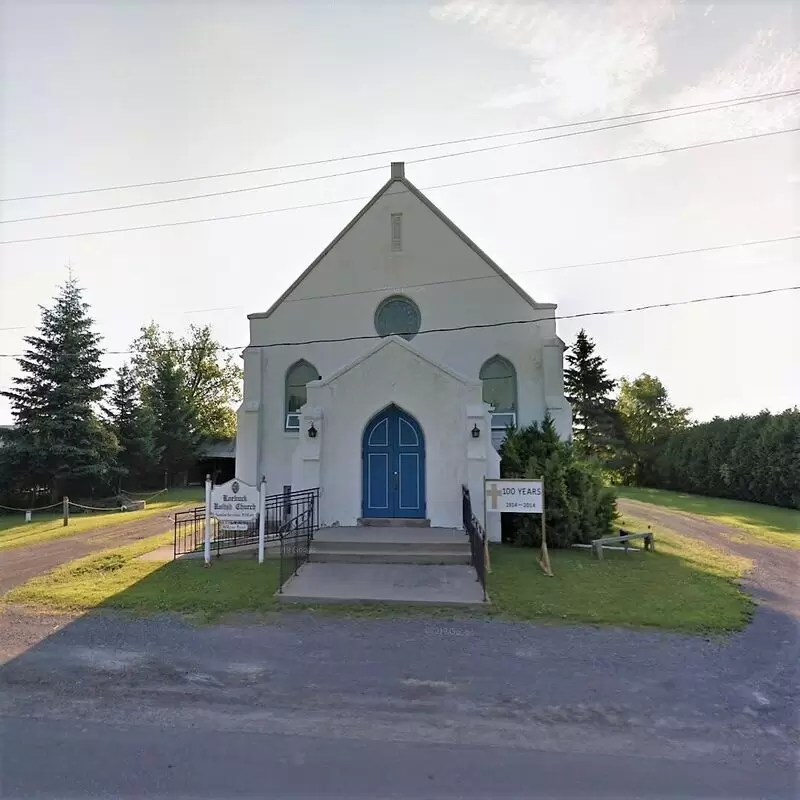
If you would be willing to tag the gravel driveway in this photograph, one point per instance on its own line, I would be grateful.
(19, 564)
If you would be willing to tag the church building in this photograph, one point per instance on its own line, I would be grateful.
(387, 374)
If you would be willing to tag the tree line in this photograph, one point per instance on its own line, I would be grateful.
(77, 433)
(640, 438)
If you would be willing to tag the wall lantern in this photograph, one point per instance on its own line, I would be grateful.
(476, 431)
(312, 431)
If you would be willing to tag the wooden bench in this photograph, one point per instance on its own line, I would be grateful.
(624, 537)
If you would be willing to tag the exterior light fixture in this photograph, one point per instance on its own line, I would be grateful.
(312, 431)
(476, 431)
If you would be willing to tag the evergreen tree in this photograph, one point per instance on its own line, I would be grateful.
(134, 426)
(58, 441)
(745, 458)
(176, 434)
(579, 506)
(588, 388)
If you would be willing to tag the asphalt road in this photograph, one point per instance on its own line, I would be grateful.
(310, 706)
(100, 761)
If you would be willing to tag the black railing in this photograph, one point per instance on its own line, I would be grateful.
(279, 511)
(477, 538)
(296, 535)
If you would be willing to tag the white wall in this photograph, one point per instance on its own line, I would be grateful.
(341, 407)
(362, 262)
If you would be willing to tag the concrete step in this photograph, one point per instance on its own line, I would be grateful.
(392, 546)
(409, 556)
(390, 522)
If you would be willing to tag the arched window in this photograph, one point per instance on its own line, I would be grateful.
(297, 376)
(500, 390)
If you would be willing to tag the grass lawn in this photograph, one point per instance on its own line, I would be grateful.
(769, 524)
(684, 586)
(117, 579)
(14, 531)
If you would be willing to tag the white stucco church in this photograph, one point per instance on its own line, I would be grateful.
(385, 375)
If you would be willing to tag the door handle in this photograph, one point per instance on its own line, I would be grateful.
(396, 481)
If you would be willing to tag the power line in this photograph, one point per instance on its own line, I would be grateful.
(578, 265)
(361, 171)
(556, 318)
(612, 160)
(710, 106)
(607, 262)
(264, 212)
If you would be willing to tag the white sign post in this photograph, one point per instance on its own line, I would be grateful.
(518, 496)
(207, 533)
(262, 522)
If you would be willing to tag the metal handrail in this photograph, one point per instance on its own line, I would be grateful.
(477, 539)
(299, 556)
(287, 525)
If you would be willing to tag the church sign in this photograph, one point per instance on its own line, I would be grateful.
(515, 496)
(518, 496)
(234, 504)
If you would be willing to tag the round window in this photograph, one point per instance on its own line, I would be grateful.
(398, 315)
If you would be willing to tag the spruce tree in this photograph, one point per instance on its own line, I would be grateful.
(134, 426)
(58, 441)
(587, 387)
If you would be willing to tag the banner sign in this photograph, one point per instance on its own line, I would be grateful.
(518, 496)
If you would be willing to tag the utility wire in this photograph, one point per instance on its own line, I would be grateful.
(389, 194)
(368, 337)
(711, 105)
(361, 171)
(607, 262)
(648, 257)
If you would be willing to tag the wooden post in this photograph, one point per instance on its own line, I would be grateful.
(544, 558)
(65, 504)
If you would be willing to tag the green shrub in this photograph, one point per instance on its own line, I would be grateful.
(579, 506)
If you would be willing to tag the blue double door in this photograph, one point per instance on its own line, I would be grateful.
(393, 459)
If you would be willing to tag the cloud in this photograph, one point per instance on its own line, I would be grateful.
(584, 56)
(765, 64)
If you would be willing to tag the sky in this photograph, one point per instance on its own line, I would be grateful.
(119, 92)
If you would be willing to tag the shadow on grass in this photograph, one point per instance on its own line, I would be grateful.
(685, 587)
(205, 594)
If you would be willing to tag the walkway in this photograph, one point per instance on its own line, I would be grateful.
(387, 565)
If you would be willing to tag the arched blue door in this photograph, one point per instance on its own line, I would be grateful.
(393, 458)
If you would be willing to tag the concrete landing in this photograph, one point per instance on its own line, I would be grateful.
(420, 584)
(390, 535)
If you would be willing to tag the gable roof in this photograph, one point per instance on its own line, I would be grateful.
(406, 345)
(398, 175)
